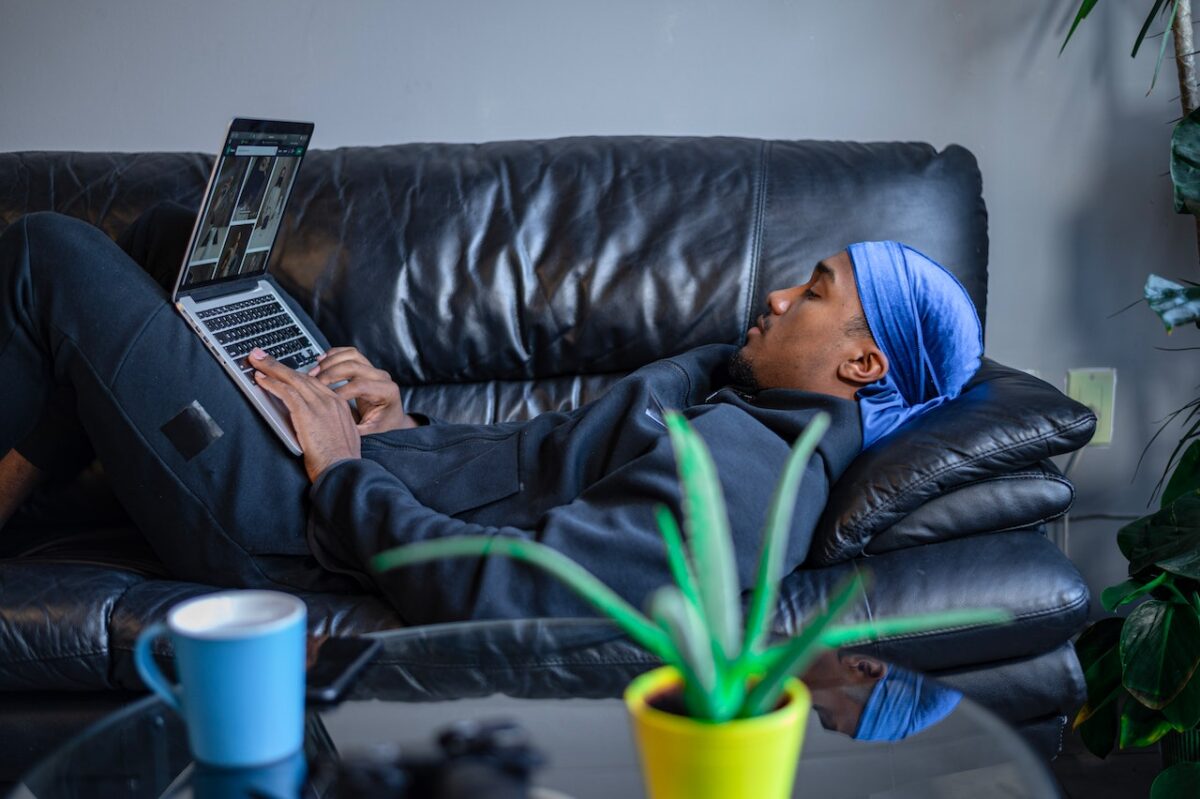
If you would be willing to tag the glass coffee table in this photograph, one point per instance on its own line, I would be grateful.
(561, 680)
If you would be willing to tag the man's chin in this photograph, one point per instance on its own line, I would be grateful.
(741, 371)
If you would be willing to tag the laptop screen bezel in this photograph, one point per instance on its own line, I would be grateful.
(237, 126)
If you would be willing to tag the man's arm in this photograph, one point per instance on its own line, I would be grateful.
(363, 509)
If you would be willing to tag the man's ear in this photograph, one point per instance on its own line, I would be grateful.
(866, 668)
(866, 364)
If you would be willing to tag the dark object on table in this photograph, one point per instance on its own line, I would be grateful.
(568, 263)
(472, 760)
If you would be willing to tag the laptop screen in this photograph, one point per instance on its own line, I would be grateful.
(247, 195)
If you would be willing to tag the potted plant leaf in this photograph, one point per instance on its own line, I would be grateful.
(725, 717)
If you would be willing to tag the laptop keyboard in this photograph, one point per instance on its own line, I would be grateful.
(260, 322)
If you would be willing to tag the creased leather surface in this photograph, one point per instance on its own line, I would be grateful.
(1004, 420)
(1027, 688)
(996, 503)
(149, 601)
(54, 623)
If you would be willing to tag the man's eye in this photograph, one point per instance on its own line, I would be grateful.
(810, 294)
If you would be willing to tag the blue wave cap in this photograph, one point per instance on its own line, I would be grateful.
(904, 703)
(924, 322)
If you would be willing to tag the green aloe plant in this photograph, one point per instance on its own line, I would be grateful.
(730, 670)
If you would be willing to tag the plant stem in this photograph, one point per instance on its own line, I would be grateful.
(1170, 585)
(1185, 67)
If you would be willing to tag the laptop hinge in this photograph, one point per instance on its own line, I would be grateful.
(207, 293)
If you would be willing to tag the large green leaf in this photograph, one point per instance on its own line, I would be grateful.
(1184, 711)
(1098, 649)
(1175, 303)
(1180, 781)
(1168, 539)
(1125, 592)
(707, 525)
(1098, 640)
(1099, 731)
(1185, 164)
(1160, 650)
(775, 536)
(1141, 726)
(1186, 476)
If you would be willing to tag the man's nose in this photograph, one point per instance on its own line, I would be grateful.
(780, 300)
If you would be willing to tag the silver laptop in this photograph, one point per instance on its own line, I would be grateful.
(221, 290)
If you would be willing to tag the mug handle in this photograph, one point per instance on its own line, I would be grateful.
(143, 658)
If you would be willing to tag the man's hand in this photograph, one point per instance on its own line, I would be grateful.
(377, 397)
(322, 420)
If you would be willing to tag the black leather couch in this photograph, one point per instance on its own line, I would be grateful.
(497, 281)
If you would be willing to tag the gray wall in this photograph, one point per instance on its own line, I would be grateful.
(1073, 153)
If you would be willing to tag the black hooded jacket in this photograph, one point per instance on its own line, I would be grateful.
(584, 482)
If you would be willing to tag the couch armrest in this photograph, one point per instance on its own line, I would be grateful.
(1004, 420)
(1024, 498)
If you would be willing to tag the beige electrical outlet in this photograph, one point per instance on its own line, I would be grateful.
(1097, 389)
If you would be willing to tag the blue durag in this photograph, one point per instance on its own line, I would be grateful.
(924, 322)
(904, 703)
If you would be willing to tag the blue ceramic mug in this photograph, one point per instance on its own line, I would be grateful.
(240, 658)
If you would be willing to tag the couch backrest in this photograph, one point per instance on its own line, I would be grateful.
(499, 280)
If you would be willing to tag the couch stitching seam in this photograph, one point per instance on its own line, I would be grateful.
(760, 199)
(1018, 617)
(88, 653)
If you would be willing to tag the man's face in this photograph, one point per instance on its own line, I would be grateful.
(801, 340)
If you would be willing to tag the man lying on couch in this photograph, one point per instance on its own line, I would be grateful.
(94, 358)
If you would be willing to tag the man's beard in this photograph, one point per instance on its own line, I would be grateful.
(741, 373)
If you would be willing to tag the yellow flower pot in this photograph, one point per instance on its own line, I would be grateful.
(687, 759)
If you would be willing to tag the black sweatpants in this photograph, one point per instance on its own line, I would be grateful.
(94, 358)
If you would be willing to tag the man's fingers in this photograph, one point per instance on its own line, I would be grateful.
(286, 394)
(263, 362)
(303, 383)
(347, 370)
(336, 354)
(347, 356)
(334, 351)
(371, 389)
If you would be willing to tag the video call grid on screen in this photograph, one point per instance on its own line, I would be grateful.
(249, 194)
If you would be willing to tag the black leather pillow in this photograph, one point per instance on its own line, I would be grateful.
(995, 504)
(1003, 421)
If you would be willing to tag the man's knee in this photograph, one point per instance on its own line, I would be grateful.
(68, 252)
(51, 225)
